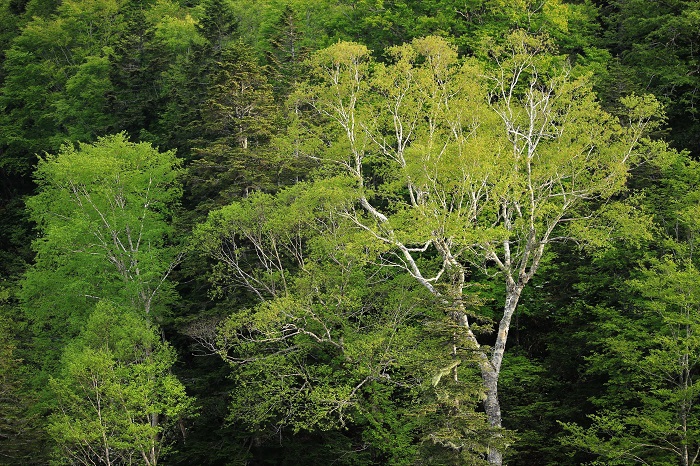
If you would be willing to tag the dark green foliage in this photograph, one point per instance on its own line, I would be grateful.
(325, 359)
(14, 230)
(188, 79)
(656, 44)
(640, 334)
(22, 440)
(136, 63)
(648, 411)
(472, 24)
(236, 121)
(218, 25)
(222, 116)
(56, 81)
(10, 22)
(286, 53)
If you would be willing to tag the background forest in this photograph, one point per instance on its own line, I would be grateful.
(335, 232)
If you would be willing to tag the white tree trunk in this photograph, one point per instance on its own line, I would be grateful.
(490, 371)
(493, 411)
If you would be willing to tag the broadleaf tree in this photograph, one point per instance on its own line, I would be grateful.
(104, 256)
(646, 347)
(480, 165)
(334, 344)
(650, 415)
(116, 400)
(103, 211)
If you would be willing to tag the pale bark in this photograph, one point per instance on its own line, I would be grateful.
(514, 223)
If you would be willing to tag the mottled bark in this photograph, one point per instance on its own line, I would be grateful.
(491, 369)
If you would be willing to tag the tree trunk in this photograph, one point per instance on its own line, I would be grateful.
(491, 370)
(493, 411)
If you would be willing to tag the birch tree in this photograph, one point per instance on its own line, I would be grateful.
(481, 165)
(333, 343)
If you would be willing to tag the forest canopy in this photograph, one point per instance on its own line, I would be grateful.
(330, 232)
